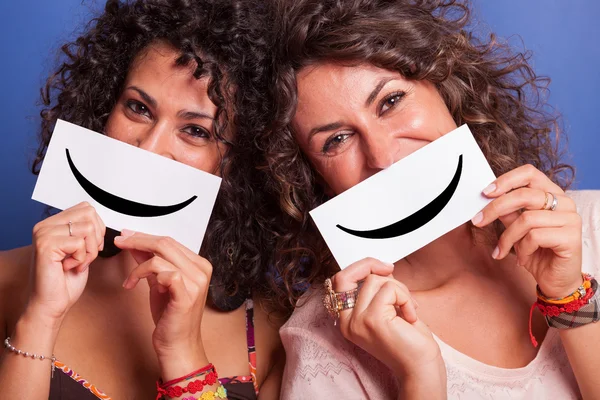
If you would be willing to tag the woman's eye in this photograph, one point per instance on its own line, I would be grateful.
(391, 101)
(196, 131)
(139, 108)
(334, 141)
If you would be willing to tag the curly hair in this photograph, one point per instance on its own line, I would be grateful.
(213, 37)
(483, 82)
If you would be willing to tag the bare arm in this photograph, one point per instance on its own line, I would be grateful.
(64, 245)
(581, 345)
(23, 377)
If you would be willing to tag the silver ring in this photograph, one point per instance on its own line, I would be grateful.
(554, 202)
(70, 230)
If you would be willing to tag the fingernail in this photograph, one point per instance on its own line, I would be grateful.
(477, 218)
(495, 253)
(119, 238)
(490, 189)
(101, 246)
(127, 233)
(125, 283)
(389, 264)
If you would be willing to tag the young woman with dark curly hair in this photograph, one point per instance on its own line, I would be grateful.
(160, 75)
(358, 85)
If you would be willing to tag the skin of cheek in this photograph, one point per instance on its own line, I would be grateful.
(205, 157)
(341, 172)
(117, 128)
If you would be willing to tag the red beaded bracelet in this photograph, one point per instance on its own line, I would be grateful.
(554, 310)
(192, 387)
(200, 371)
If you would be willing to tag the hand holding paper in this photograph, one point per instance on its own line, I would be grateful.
(408, 205)
(129, 187)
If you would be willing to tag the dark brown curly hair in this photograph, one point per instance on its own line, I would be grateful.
(214, 36)
(482, 81)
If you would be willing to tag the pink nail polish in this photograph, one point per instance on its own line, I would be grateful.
(477, 218)
(127, 233)
(496, 253)
(490, 189)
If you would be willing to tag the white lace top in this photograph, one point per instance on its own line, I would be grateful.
(321, 364)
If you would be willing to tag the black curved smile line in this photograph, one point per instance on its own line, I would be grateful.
(120, 204)
(416, 220)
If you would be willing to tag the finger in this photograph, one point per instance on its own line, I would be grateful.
(348, 278)
(138, 255)
(369, 289)
(526, 222)
(562, 241)
(82, 212)
(87, 230)
(153, 282)
(102, 230)
(392, 294)
(83, 230)
(507, 220)
(151, 267)
(69, 250)
(162, 246)
(62, 218)
(519, 199)
(523, 176)
(175, 283)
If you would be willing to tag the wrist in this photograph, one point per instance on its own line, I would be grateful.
(38, 322)
(35, 335)
(423, 380)
(173, 366)
(562, 290)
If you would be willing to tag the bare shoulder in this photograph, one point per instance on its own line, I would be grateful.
(14, 265)
(14, 274)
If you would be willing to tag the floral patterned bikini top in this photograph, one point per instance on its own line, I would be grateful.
(66, 384)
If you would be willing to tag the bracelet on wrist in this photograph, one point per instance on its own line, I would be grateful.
(580, 308)
(33, 356)
(578, 293)
(171, 389)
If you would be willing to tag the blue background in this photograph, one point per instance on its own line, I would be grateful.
(563, 36)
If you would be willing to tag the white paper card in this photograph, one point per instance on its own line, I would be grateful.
(408, 205)
(130, 188)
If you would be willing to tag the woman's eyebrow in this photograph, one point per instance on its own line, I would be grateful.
(378, 88)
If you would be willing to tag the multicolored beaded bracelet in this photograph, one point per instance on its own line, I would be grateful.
(220, 393)
(169, 389)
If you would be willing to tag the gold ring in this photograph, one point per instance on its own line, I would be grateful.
(70, 228)
(546, 205)
(335, 302)
(551, 202)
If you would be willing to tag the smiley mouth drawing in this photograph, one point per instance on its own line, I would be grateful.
(415, 220)
(121, 205)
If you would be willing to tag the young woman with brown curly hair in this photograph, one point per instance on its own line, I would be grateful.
(161, 75)
(358, 85)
